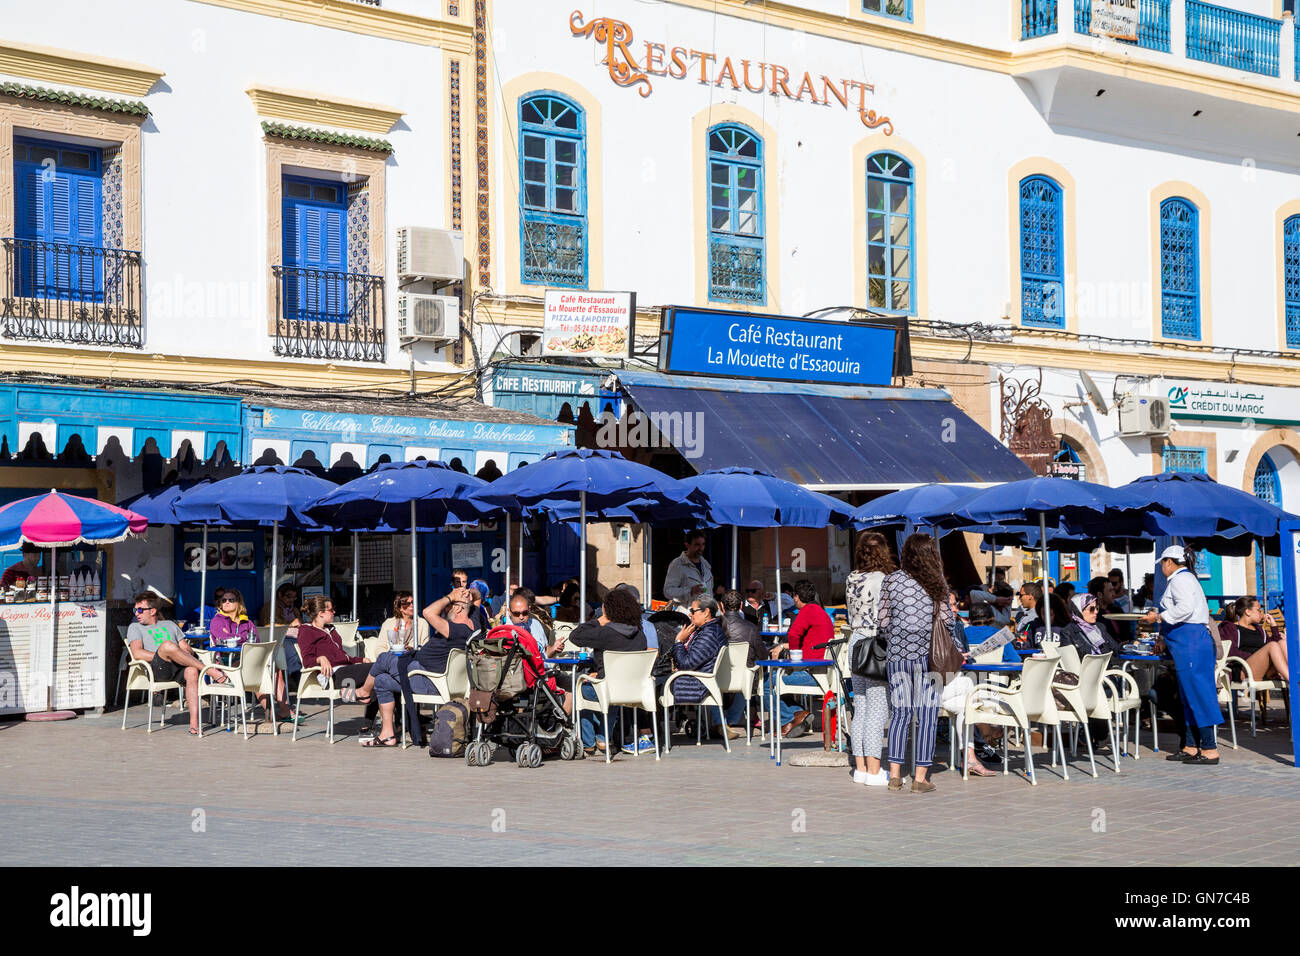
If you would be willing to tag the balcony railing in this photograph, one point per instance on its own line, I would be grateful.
(69, 292)
(1153, 23)
(736, 271)
(1240, 41)
(555, 250)
(329, 315)
(1037, 18)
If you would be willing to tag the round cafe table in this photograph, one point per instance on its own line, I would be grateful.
(775, 710)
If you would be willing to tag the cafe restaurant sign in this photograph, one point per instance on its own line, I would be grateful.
(1232, 402)
(632, 64)
(737, 345)
(370, 428)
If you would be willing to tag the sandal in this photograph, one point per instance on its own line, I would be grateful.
(193, 732)
(381, 742)
(978, 770)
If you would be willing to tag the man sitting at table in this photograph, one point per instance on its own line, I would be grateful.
(812, 626)
(168, 654)
(739, 630)
(754, 604)
(617, 629)
(26, 568)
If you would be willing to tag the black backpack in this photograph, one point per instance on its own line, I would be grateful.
(450, 730)
(666, 624)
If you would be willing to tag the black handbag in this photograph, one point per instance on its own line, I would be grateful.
(867, 659)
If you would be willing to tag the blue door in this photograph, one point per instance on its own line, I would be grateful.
(314, 224)
(57, 219)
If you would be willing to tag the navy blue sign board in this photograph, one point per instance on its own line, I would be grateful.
(1290, 534)
(777, 348)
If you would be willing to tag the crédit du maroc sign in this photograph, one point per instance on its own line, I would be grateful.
(633, 64)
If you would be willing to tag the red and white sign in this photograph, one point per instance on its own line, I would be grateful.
(588, 324)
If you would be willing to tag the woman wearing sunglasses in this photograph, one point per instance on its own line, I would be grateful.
(231, 622)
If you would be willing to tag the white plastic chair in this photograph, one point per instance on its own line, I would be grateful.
(1017, 707)
(627, 683)
(309, 688)
(1075, 712)
(1223, 682)
(1092, 676)
(249, 677)
(453, 682)
(740, 678)
(348, 635)
(1126, 701)
(712, 692)
(1250, 687)
(123, 662)
(140, 677)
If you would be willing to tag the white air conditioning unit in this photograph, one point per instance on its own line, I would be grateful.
(427, 318)
(424, 253)
(1143, 415)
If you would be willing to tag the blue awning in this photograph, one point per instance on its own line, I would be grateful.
(826, 437)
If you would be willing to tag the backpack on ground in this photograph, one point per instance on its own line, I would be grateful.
(450, 730)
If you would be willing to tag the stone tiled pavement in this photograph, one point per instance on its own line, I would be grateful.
(85, 793)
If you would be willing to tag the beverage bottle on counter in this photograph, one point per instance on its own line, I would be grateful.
(94, 585)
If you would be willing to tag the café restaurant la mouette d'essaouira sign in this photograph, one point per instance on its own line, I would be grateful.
(775, 348)
(633, 63)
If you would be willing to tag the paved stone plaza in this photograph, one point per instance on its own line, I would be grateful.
(83, 792)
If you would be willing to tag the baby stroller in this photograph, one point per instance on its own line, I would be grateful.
(513, 703)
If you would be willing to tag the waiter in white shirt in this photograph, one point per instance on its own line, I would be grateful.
(689, 574)
(1184, 619)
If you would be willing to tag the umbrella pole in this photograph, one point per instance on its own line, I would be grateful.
(356, 570)
(582, 558)
(1263, 571)
(1128, 572)
(522, 527)
(1047, 604)
(203, 578)
(993, 565)
(275, 556)
(48, 675)
(735, 534)
(506, 589)
(780, 616)
(415, 581)
(646, 596)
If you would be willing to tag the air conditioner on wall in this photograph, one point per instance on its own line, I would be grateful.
(1143, 415)
(427, 318)
(424, 253)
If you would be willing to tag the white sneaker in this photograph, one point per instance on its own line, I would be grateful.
(880, 779)
(861, 776)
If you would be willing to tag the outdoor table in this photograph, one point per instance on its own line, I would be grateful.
(573, 663)
(1124, 617)
(772, 632)
(1147, 660)
(1001, 668)
(774, 744)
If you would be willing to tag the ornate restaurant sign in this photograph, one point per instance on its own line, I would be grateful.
(678, 62)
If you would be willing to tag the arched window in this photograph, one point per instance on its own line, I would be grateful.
(553, 187)
(736, 228)
(891, 233)
(1268, 488)
(1180, 273)
(1042, 254)
(1291, 279)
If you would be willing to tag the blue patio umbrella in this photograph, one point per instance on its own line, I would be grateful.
(748, 498)
(907, 508)
(159, 505)
(261, 495)
(1046, 501)
(1208, 514)
(408, 496)
(603, 483)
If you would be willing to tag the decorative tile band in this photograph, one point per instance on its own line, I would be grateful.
(44, 95)
(481, 143)
(453, 84)
(306, 134)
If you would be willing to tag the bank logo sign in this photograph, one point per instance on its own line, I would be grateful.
(1231, 402)
(737, 345)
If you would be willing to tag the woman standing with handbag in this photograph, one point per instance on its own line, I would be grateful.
(871, 562)
(913, 608)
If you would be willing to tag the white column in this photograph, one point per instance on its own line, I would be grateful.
(1177, 29)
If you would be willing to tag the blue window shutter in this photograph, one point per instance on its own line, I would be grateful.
(315, 240)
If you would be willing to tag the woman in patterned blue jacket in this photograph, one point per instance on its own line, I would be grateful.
(697, 648)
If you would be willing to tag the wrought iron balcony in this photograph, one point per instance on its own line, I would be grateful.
(69, 292)
(736, 271)
(1153, 23)
(1037, 18)
(554, 250)
(1240, 41)
(336, 316)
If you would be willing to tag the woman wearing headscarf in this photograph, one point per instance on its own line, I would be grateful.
(1085, 631)
(1184, 618)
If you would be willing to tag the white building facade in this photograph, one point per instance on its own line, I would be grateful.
(1038, 200)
